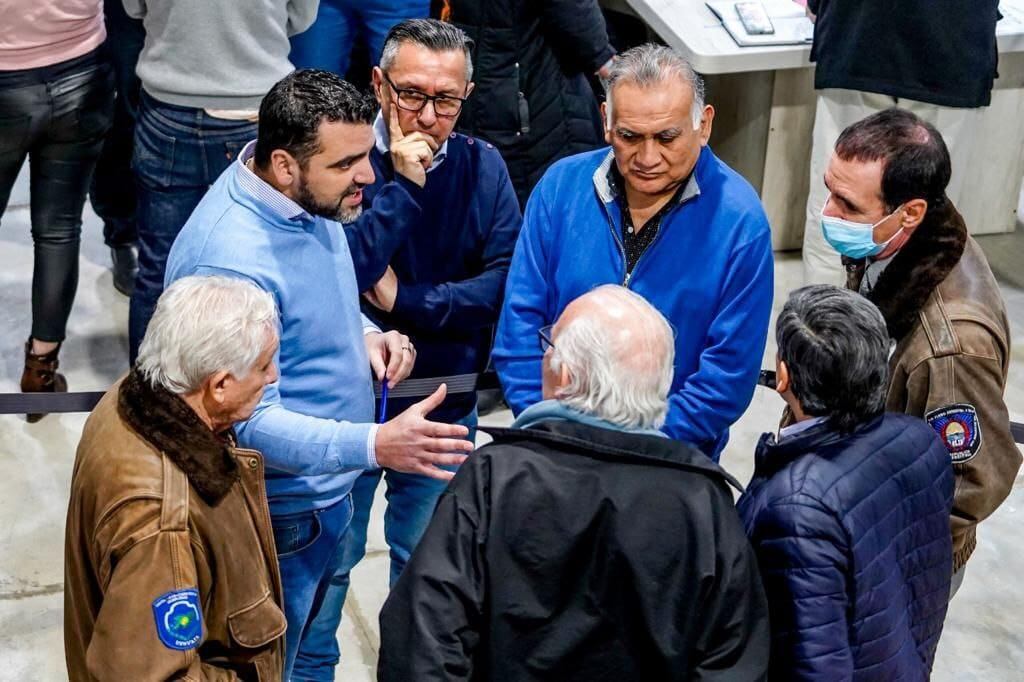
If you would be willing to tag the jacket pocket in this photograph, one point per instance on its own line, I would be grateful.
(294, 534)
(257, 624)
(522, 104)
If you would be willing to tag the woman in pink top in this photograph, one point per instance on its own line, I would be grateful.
(56, 103)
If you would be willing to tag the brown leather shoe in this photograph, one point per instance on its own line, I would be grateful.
(41, 375)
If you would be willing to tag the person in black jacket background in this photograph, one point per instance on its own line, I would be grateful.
(533, 60)
(583, 544)
(848, 507)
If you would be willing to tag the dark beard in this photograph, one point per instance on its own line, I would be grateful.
(331, 211)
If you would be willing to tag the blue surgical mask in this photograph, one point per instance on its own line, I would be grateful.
(855, 240)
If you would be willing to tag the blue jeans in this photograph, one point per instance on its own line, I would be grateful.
(327, 44)
(411, 501)
(307, 552)
(178, 153)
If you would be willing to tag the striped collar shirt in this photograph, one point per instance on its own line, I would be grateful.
(265, 193)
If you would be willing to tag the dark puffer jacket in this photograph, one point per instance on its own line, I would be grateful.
(852, 538)
(532, 98)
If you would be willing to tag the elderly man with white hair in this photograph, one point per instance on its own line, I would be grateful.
(658, 213)
(170, 570)
(582, 543)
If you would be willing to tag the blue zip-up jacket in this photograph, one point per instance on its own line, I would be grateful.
(451, 261)
(709, 271)
(852, 537)
(314, 425)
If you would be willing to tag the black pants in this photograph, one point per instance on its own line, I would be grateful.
(57, 117)
(113, 186)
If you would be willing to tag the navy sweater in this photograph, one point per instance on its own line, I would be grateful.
(451, 263)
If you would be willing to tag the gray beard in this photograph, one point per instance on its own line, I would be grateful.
(349, 215)
(337, 211)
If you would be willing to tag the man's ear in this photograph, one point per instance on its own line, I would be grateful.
(781, 377)
(378, 84)
(470, 88)
(706, 119)
(913, 214)
(606, 116)
(284, 169)
(563, 377)
(216, 386)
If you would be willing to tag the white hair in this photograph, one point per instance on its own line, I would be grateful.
(651, 65)
(618, 372)
(203, 325)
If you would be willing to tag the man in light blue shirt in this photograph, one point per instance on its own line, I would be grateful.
(273, 218)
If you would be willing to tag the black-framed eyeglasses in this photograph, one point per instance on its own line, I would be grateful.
(544, 334)
(414, 100)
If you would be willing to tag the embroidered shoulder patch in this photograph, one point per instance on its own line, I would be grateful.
(179, 623)
(959, 429)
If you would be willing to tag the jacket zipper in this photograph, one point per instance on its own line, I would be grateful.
(265, 512)
(618, 242)
(622, 250)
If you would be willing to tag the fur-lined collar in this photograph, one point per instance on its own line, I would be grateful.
(173, 428)
(922, 264)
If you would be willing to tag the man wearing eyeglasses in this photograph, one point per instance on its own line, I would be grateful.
(438, 278)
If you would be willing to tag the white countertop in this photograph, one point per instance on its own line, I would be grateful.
(690, 27)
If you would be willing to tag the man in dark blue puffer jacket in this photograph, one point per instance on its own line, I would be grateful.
(848, 510)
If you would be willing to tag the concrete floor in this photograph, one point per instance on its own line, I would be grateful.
(983, 639)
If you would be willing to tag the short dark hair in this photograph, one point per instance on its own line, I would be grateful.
(915, 161)
(432, 34)
(291, 113)
(836, 346)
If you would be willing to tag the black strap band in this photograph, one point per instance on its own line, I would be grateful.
(85, 401)
(54, 403)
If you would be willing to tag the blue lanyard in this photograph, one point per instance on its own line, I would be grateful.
(383, 402)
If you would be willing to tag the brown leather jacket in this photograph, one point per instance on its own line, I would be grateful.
(170, 569)
(943, 307)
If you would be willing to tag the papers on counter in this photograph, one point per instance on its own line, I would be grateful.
(792, 27)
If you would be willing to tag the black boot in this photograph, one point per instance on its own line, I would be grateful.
(126, 266)
(41, 375)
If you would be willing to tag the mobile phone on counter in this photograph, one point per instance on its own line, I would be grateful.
(754, 18)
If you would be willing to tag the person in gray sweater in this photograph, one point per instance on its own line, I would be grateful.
(204, 67)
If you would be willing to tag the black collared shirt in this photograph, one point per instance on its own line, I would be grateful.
(634, 241)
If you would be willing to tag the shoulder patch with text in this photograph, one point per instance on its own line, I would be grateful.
(179, 622)
(959, 429)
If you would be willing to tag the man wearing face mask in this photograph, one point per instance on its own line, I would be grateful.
(660, 214)
(906, 248)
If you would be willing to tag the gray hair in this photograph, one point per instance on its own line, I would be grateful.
(836, 346)
(618, 372)
(436, 36)
(204, 325)
(649, 65)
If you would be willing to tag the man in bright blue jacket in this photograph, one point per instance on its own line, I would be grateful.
(660, 214)
(848, 510)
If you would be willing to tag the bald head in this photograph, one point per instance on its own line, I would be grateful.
(612, 358)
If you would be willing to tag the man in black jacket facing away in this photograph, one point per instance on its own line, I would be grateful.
(583, 544)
